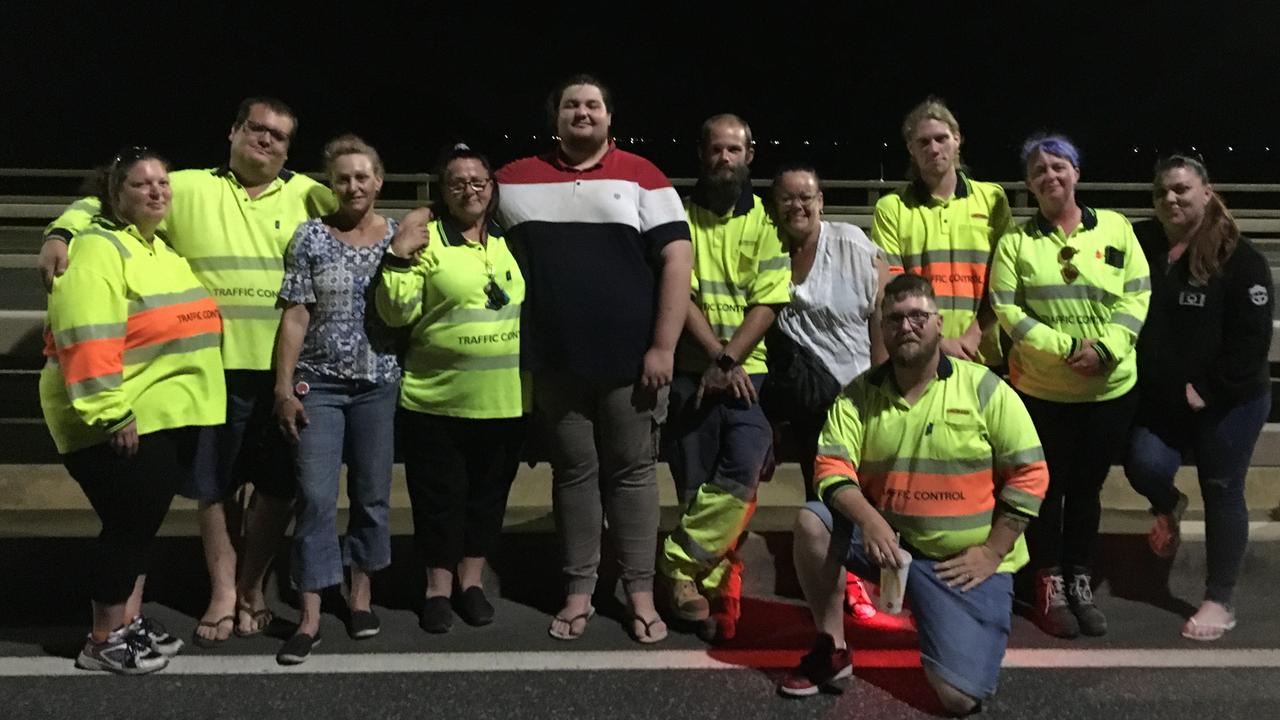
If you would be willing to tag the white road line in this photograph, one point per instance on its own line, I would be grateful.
(641, 660)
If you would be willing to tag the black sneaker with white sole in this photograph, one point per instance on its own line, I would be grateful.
(123, 652)
(160, 639)
(297, 649)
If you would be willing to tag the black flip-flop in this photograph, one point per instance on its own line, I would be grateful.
(208, 643)
(571, 635)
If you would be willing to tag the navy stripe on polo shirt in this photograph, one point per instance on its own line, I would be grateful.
(589, 244)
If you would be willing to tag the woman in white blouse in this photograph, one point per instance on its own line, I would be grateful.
(837, 281)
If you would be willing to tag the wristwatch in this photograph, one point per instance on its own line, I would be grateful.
(726, 362)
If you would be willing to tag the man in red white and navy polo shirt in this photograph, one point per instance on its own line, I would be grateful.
(603, 242)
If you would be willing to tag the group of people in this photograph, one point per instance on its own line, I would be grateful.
(209, 328)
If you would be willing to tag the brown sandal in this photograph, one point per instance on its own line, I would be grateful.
(261, 620)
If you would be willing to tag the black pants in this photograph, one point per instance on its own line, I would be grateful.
(459, 472)
(1081, 442)
(131, 497)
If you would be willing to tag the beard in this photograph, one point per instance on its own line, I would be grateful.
(724, 186)
(914, 354)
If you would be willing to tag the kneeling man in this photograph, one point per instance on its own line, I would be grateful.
(937, 457)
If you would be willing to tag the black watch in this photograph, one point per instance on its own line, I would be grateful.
(726, 362)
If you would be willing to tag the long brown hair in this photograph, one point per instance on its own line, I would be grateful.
(1213, 241)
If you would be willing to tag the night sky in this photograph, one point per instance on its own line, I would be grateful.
(410, 77)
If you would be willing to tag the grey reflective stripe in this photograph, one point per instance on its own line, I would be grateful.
(713, 287)
(80, 333)
(836, 451)
(1004, 297)
(681, 538)
(249, 312)
(1020, 499)
(124, 251)
(926, 524)
(1020, 458)
(956, 302)
(924, 465)
(1137, 284)
(1070, 292)
(203, 341)
(724, 331)
(479, 315)
(151, 302)
(935, 257)
(1023, 328)
(425, 359)
(235, 262)
(782, 262)
(743, 492)
(93, 386)
(1128, 322)
(893, 260)
(986, 388)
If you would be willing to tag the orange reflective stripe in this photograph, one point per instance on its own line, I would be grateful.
(898, 270)
(825, 466)
(931, 494)
(962, 279)
(91, 359)
(172, 322)
(1032, 479)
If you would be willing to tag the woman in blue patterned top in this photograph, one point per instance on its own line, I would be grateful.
(337, 380)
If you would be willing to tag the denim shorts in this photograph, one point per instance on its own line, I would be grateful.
(247, 448)
(962, 635)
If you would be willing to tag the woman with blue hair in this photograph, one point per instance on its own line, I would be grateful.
(1071, 287)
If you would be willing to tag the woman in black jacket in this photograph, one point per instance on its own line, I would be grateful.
(1203, 375)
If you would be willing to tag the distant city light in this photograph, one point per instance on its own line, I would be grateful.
(1230, 149)
(1135, 148)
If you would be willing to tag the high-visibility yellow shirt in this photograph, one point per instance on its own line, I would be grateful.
(934, 469)
(1047, 311)
(74, 218)
(464, 350)
(738, 263)
(950, 243)
(236, 246)
(130, 335)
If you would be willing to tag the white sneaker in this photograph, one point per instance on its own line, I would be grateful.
(123, 652)
(159, 638)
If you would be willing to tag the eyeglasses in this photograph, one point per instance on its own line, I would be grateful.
(460, 186)
(917, 318)
(1069, 271)
(256, 128)
(805, 199)
(130, 154)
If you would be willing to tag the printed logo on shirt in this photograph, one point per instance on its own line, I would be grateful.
(1191, 299)
(1258, 295)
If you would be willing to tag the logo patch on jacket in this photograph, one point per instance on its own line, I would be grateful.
(1191, 299)
(1258, 295)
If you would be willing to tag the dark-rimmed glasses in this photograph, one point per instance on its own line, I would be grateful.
(917, 318)
(130, 154)
(257, 128)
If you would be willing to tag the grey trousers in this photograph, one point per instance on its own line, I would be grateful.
(603, 443)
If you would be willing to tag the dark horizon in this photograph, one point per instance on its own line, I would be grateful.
(1158, 77)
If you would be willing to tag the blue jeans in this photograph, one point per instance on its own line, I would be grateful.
(353, 421)
(962, 635)
(1221, 440)
(725, 441)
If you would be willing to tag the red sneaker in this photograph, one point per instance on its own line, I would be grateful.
(822, 666)
(856, 600)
